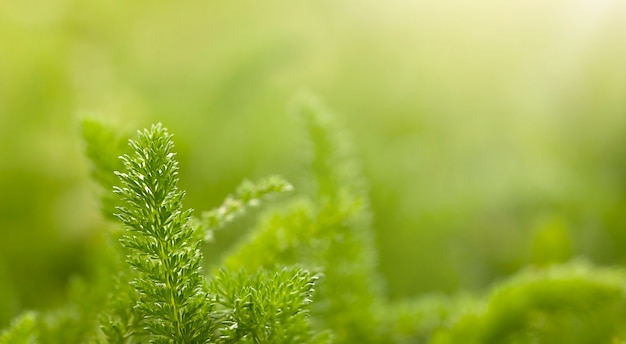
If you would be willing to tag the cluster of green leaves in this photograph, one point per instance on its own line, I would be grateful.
(159, 292)
(264, 307)
(305, 274)
(327, 229)
(162, 241)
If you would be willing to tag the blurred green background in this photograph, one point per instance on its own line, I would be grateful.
(493, 133)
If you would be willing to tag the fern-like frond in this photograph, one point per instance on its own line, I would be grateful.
(329, 231)
(103, 145)
(121, 321)
(336, 170)
(162, 244)
(265, 306)
(248, 194)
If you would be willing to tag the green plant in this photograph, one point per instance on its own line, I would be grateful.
(173, 299)
(573, 303)
(306, 273)
(161, 293)
(328, 229)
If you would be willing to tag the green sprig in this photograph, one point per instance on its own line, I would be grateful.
(266, 306)
(248, 194)
(162, 249)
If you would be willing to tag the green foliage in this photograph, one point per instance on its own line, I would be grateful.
(103, 146)
(248, 194)
(76, 321)
(414, 321)
(120, 320)
(173, 299)
(306, 273)
(265, 307)
(471, 124)
(328, 231)
(168, 299)
(573, 303)
(21, 330)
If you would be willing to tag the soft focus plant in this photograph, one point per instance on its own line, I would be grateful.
(305, 273)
